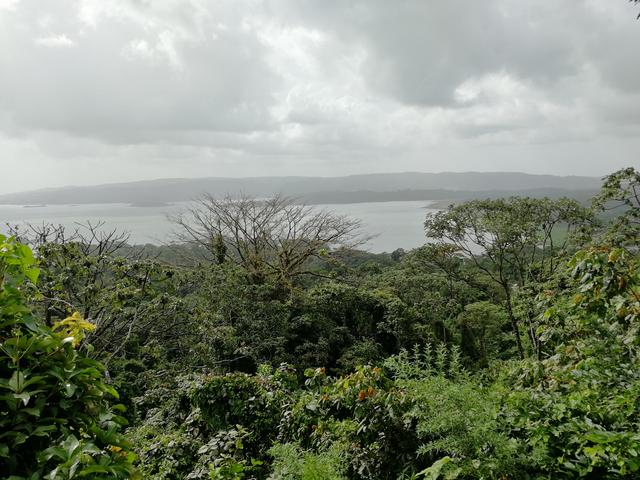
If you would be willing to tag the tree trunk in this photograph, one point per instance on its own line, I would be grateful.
(514, 322)
(535, 341)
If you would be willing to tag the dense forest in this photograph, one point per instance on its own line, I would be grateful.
(263, 344)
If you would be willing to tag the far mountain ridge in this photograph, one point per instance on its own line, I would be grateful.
(182, 189)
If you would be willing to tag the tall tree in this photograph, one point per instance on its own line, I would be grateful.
(515, 241)
(274, 237)
(620, 195)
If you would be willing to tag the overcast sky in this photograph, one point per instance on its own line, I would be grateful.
(97, 91)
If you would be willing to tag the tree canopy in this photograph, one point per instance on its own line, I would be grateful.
(265, 346)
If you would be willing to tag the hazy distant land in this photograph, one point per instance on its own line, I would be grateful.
(411, 186)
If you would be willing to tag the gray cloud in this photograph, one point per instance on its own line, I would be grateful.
(94, 91)
(132, 72)
(420, 51)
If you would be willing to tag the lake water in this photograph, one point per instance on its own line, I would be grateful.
(396, 224)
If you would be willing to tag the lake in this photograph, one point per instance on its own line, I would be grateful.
(395, 224)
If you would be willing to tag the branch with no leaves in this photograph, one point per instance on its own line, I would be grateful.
(275, 235)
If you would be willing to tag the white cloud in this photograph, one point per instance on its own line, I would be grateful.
(8, 4)
(55, 41)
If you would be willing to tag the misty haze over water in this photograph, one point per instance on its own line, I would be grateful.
(392, 224)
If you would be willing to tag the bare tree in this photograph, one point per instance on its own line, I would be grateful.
(91, 238)
(267, 237)
(75, 264)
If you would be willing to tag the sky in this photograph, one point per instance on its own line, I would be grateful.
(95, 91)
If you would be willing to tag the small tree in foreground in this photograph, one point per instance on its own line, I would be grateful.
(579, 408)
(55, 418)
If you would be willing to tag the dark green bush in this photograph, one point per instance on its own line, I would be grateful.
(240, 399)
(56, 420)
(578, 410)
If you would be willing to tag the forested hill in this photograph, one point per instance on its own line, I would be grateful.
(355, 188)
(264, 347)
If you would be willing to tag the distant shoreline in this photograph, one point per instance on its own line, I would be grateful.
(437, 198)
(143, 204)
(448, 186)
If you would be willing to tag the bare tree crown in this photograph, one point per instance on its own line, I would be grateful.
(274, 236)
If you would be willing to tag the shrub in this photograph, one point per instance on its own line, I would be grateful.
(240, 399)
(579, 408)
(362, 412)
(290, 462)
(55, 416)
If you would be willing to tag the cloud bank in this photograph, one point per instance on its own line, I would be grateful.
(94, 91)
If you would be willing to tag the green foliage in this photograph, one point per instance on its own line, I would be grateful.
(483, 327)
(513, 241)
(238, 322)
(290, 462)
(425, 362)
(55, 415)
(226, 451)
(239, 399)
(458, 419)
(201, 427)
(132, 302)
(343, 326)
(621, 194)
(435, 471)
(362, 410)
(579, 408)
(411, 361)
(437, 390)
(168, 431)
(388, 427)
